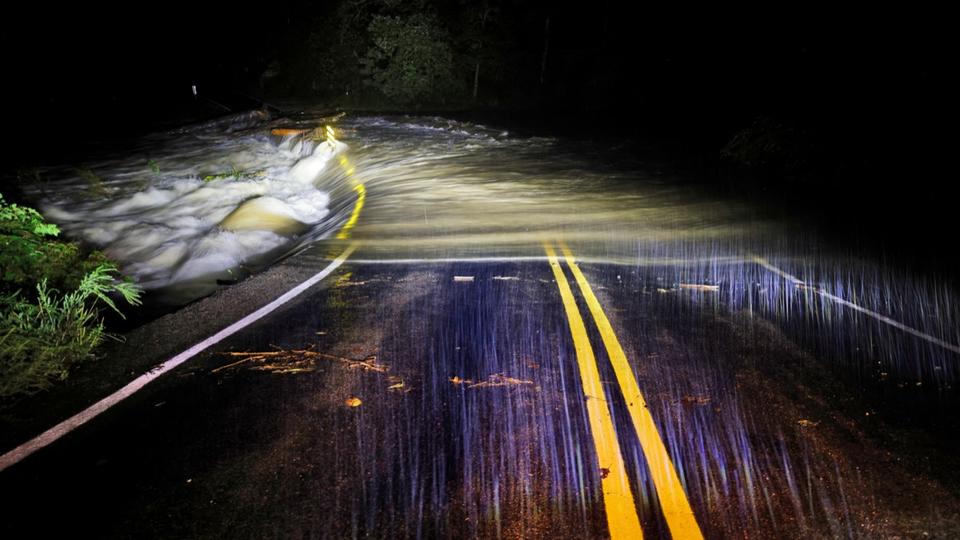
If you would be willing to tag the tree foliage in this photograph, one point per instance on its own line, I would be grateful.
(28, 249)
(401, 53)
(410, 60)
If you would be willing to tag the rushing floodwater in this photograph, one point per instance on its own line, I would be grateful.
(190, 208)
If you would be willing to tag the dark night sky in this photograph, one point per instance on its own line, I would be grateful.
(99, 53)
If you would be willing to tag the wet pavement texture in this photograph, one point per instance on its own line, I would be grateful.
(442, 406)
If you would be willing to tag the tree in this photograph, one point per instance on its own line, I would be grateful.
(411, 60)
(477, 15)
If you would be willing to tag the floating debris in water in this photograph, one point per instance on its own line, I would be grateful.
(285, 132)
(235, 174)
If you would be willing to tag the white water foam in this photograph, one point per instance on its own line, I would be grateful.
(171, 226)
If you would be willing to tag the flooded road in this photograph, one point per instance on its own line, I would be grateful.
(190, 207)
(534, 338)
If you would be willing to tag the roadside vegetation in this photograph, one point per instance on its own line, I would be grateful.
(52, 294)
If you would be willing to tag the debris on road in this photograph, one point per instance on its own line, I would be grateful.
(495, 380)
(463, 279)
(352, 401)
(695, 400)
(397, 384)
(699, 287)
(341, 283)
(500, 380)
(297, 361)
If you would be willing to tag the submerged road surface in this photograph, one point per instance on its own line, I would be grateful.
(521, 338)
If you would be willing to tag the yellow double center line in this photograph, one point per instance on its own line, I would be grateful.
(621, 512)
(361, 190)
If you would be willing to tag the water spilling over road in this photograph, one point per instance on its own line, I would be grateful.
(196, 206)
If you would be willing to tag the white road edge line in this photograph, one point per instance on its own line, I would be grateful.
(47, 437)
(878, 316)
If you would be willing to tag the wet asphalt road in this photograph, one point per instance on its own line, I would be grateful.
(446, 402)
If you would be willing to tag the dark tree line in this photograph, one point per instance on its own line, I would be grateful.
(849, 82)
(404, 53)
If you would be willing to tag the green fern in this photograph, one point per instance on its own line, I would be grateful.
(42, 341)
(23, 219)
(44, 333)
(30, 249)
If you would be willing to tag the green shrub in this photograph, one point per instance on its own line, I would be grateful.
(45, 333)
(30, 251)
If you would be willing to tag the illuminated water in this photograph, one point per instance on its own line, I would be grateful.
(436, 188)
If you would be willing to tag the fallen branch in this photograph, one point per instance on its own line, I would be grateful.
(297, 361)
(492, 381)
(228, 366)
